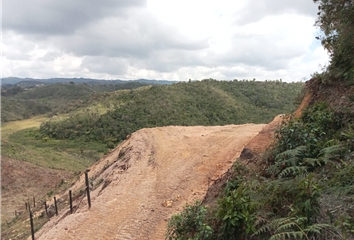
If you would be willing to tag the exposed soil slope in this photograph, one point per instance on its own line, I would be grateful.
(147, 178)
(260, 143)
(249, 156)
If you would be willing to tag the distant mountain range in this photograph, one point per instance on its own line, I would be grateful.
(32, 81)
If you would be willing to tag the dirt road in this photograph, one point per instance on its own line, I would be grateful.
(149, 177)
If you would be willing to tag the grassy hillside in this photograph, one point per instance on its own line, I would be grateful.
(17, 109)
(101, 119)
(74, 140)
(22, 103)
(209, 102)
(19, 140)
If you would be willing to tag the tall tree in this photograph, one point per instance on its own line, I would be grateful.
(336, 20)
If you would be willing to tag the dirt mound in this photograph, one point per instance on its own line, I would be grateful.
(149, 177)
(21, 181)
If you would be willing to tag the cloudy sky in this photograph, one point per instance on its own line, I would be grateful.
(161, 39)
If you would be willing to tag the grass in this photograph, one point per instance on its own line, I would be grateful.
(55, 154)
(19, 227)
(10, 127)
(20, 141)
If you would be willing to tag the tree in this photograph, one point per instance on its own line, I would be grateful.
(336, 20)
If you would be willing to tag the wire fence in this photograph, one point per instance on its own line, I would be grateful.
(53, 209)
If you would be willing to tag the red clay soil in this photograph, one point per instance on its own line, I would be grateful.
(249, 156)
(304, 103)
(260, 143)
(149, 177)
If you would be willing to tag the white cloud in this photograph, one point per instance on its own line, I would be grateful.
(169, 39)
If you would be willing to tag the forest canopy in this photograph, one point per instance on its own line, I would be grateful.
(207, 102)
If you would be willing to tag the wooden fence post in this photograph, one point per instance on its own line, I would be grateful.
(71, 202)
(45, 207)
(88, 188)
(56, 207)
(32, 228)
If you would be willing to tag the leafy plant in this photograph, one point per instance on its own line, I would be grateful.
(189, 224)
(317, 125)
(237, 213)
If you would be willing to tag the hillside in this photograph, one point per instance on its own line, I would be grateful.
(22, 102)
(147, 178)
(290, 179)
(11, 81)
(304, 178)
(202, 102)
(21, 181)
(264, 188)
(111, 117)
(17, 109)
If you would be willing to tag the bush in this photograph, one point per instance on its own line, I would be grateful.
(189, 224)
(317, 125)
(237, 213)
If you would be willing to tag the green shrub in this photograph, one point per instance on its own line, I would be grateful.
(237, 213)
(189, 224)
(317, 125)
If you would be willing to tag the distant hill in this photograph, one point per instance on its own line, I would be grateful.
(112, 116)
(19, 109)
(29, 84)
(33, 81)
(21, 101)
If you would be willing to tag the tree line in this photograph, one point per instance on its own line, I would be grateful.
(207, 102)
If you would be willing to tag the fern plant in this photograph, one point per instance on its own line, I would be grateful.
(289, 161)
(291, 228)
(296, 161)
(306, 201)
(326, 154)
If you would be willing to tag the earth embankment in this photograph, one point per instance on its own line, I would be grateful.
(149, 177)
